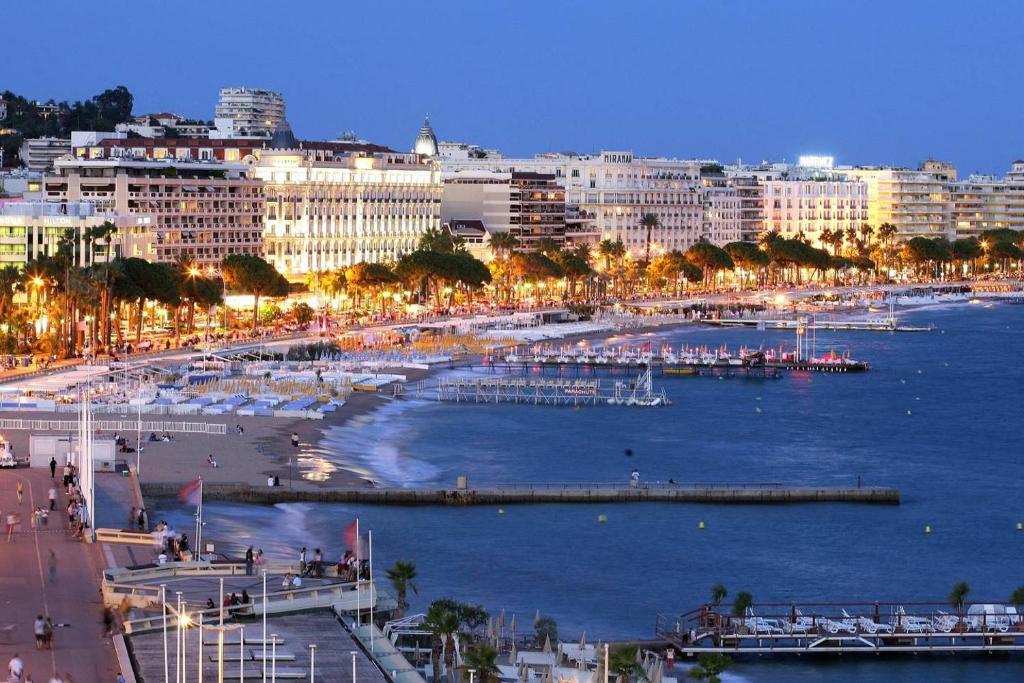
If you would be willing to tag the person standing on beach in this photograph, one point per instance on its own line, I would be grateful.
(295, 439)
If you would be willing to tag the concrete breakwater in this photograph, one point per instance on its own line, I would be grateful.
(753, 494)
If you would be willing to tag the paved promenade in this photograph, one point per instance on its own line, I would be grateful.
(70, 597)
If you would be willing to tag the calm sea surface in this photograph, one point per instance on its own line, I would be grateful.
(938, 416)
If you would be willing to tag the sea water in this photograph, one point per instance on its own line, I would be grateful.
(937, 416)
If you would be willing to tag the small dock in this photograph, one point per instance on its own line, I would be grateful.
(537, 493)
(846, 628)
(872, 325)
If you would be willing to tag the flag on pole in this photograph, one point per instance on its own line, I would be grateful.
(355, 540)
(191, 492)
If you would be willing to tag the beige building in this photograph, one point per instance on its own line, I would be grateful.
(983, 203)
(613, 190)
(202, 210)
(529, 206)
(331, 205)
(809, 207)
(39, 154)
(917, 202)
(30, 230)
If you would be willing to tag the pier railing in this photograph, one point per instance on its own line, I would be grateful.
(618, 486)
(124, 426)
(847, 627)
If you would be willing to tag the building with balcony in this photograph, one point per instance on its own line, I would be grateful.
(721, 206)
(808, 207)
(983, 203)
(30, 230)
(614, 190)
(38, 154)
(527, 205)
(247, 113)
(917, 202)
(158, 149)
(202, 210)
(334, 204)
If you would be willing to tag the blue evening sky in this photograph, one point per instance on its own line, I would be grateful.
(868, 81)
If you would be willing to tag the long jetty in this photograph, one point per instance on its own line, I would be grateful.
(525, 493)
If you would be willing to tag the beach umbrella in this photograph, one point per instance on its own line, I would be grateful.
(501, 619)
(513, 655)
(583, 642)
(490, 627)
(536, 619)
(547, 644)
(512, 627)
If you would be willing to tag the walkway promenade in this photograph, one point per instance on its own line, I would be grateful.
(69, 593)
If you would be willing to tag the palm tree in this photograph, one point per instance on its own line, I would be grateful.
(483, 659)
(623, 663)
(1017, 597)
(649, 221)
(709, 666)
(401, 576)
(742, 603)
(443, 624)
(825, 237)
(718, 594)
(957, 597)
(104, 233)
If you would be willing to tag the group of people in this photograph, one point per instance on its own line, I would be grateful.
(253, 559)
(42, 628)
(138, 518)
(311, 568)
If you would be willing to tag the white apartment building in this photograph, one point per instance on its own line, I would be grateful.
(810, 206)
(331, 205)
(203, 210)
(247, 113)
(983, 203)
(464, 150)
(530, 206)
(38, 154)
(722, 222)
(29, 230)
(918, 202)
(614, 189)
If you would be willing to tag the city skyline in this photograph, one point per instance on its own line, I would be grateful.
(686, 80)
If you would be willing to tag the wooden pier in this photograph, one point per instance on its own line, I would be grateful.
(525, 493)
(846, 628)
(883, 325)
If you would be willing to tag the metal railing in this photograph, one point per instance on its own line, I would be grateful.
(116, 426)
(618, 485)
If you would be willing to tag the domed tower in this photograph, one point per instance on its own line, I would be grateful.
(426, 141)
(283, 138)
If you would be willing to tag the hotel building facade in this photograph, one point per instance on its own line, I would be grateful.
(918, 202)
(614, 190)
(202, 210)
(332, 205)
(527, 205)
(809, 207)
(983, 203)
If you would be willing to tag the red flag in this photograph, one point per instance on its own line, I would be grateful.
(191, 492)
(354, 540)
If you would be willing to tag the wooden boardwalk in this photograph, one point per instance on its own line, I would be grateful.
(508, 494)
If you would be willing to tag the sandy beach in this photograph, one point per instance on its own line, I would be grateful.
(262, 450)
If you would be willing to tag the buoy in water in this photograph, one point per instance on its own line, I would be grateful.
(700, 525)
(757, 409)
(919, 371)
(602, 518)
(927, 529)
(903, 381)
(501, 511)
(1020, 526)
(908, 412)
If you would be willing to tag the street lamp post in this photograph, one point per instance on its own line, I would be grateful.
(312, 662)
(353, 666)
(273, 658)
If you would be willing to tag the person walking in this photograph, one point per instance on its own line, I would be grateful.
(15, 667)
(20, 490)
(53, 497)
(52, 566)
(295, 439)
(39, 631)
(53, 467)
(248, 561)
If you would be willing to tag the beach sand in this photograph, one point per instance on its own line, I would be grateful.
(263, 449)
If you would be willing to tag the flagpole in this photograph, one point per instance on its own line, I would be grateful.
(199, 534)
(369, 535)
(358, 577)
